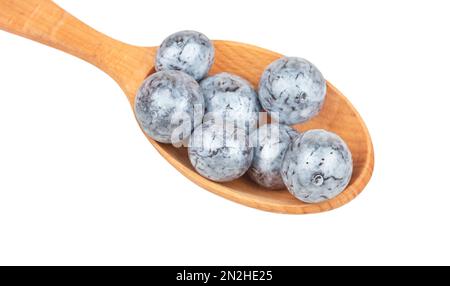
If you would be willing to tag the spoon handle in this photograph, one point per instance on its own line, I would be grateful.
(45, 22)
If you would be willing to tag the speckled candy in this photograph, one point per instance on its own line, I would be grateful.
(292, 90)
(317, 166)
(220, 153)
(270, 142)
(231, 98)
(168, 105)
(187, 51)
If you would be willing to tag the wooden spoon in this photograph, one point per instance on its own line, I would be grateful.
(45, 22)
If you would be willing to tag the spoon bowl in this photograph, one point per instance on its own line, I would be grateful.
(128, 65)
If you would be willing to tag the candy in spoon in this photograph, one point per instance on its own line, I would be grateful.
(220, 151)
(231, 98)
(168, 105)
(129, 65)
(270, 143)
(317, 166)
(187, 51)
(292, 90)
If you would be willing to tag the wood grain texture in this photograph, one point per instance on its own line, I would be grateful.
(45, 22)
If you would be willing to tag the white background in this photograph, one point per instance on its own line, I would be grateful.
(80, 184)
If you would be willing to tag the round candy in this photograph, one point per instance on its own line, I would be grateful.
(168, 106)
(317, 166)
(187, 51)
(270, 143)
(220, 152)
(292, 90)
(230, 98)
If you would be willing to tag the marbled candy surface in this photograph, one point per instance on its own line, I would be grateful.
(292, 90)
(231, 98)
(317, 166)
(220, 153)
(270, 142)
(168, 105)
(187, 51)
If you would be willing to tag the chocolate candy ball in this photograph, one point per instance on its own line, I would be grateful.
(270, 143)
(187, 51)
(168, 106)
(220, 152)
(292, 90)
(231, 98)
(317, 166)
